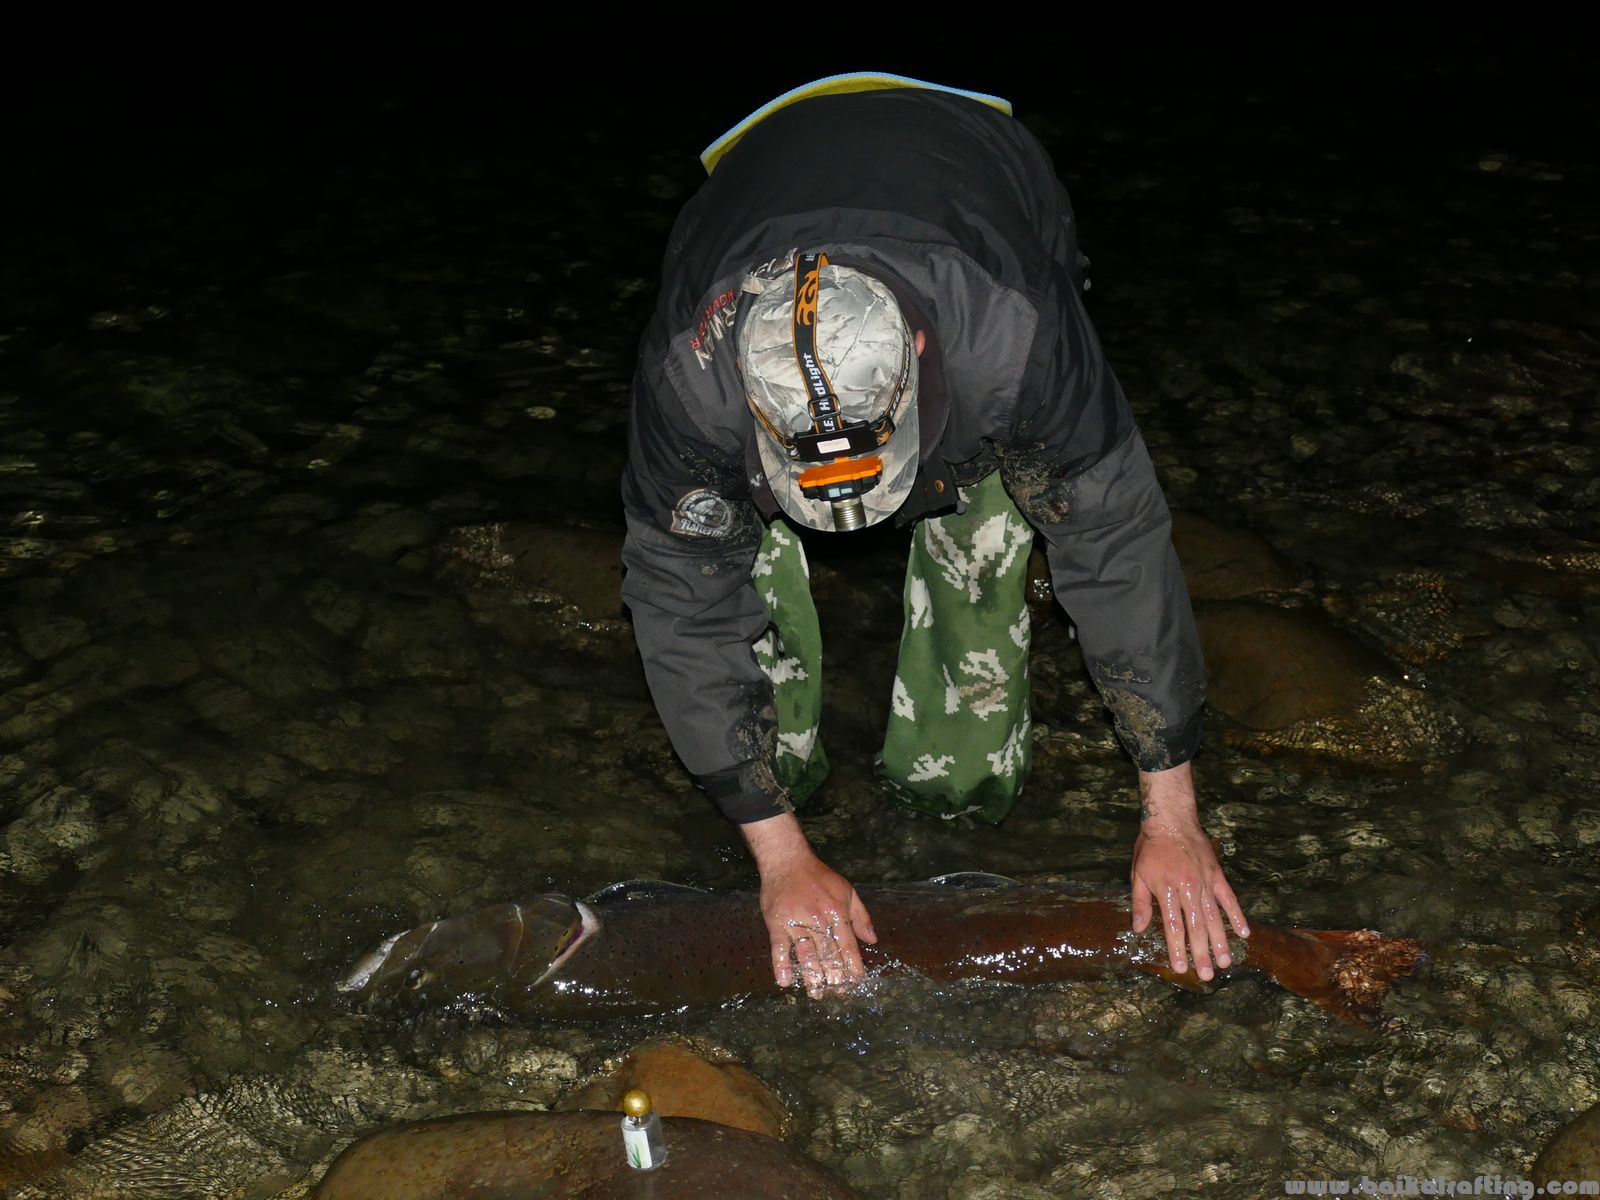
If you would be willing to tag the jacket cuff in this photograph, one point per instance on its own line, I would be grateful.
(1162, 749)
(747, 794)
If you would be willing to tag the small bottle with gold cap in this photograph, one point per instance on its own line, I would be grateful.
(641, 1132)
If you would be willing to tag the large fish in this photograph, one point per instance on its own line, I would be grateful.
(643, 946)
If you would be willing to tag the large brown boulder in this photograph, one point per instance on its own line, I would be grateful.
(569, 1156)
(685, 1079)
(1219, 563)
(1270, 668)
(1289, 680)
(1222, 563)
(1573, 1153)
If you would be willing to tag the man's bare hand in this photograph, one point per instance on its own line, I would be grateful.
(813, 916)
(1175, 868)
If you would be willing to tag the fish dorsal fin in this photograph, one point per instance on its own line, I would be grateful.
(974, 879)
(641, 889)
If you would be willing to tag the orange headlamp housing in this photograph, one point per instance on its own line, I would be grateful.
(841, 479)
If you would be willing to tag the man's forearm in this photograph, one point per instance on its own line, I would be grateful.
(1167, 799)
(1114, 569)
(776, 843)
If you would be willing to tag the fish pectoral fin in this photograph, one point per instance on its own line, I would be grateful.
(974, 879)
(642, 889)
(1187, 980)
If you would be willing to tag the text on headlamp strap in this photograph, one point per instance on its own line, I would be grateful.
(824, 405)
(831, 436)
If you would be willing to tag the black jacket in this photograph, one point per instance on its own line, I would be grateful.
(957, 207)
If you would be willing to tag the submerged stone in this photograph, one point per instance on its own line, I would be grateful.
(58, 823)
(1574, 1152)
(498, 1156)
(1222, 563)
(573, 565)
(1544, 563)
(44, 634)
(251, 1137)
(18, 1166)
(1289, 680)
(685, 1079)
(381, 531)
(1422, 617)
(1218, 562)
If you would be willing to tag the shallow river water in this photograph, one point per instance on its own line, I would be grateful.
(267, 374)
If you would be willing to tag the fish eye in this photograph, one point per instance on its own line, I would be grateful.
(414, 979)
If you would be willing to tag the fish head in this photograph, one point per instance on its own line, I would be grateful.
(515, 943)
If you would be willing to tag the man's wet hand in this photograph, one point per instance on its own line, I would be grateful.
(815, 921)
(1175, 869)
(1178, 872)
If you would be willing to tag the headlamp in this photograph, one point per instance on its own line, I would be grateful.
(847, 469)
(842, 483)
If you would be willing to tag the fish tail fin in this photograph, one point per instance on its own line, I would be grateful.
(1346, 971)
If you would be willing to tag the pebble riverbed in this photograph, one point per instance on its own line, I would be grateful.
(262, 374)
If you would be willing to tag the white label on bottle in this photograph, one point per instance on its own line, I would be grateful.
(637, 1143)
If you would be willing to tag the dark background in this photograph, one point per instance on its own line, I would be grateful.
(82, 129)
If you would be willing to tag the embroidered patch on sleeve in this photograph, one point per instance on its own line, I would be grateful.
(702, 513)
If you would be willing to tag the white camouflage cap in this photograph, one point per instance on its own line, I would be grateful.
(867, 351)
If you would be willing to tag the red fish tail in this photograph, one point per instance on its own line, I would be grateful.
(1346, 971)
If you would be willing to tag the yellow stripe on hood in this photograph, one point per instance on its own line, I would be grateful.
(833, 85)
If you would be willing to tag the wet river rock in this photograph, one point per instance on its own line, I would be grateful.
(1574, 1152)
(1545, 563)
(572, 1155)
(1289, 680)
(1223, 563)
(542, 586)
(1219, 563)
(685, 1079)
(20, 1164)
(1422, 617)
(569, 564)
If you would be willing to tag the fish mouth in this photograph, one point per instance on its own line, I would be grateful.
(588, 925)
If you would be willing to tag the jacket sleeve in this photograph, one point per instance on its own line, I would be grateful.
(1080, 473)
(692, 537)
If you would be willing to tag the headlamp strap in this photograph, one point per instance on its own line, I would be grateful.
(824, 405)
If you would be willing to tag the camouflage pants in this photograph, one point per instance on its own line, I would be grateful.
(957, 741)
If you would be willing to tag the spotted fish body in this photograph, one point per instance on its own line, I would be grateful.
(641, 948)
